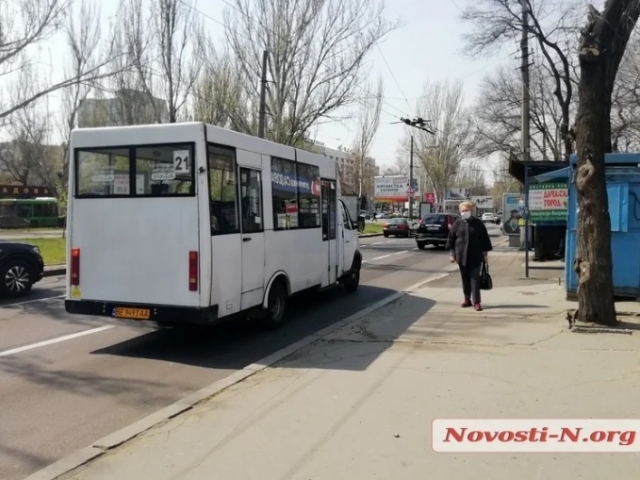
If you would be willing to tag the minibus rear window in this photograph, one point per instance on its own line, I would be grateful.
(140, 171)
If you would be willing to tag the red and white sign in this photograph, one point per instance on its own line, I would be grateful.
(536, 435)
(392, 188)
(410, 191)
(315, 188)
(430, 197)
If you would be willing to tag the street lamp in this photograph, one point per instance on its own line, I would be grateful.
(422, 125)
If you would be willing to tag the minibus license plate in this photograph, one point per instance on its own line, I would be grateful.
(132, 313)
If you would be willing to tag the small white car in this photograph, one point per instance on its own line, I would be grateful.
(489, 217)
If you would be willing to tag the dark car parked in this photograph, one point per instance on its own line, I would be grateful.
(434, 229)
(21, 266)
(399, 227)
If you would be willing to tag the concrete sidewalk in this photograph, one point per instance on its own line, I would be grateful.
(359, 403)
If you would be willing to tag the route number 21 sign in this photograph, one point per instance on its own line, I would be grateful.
(181, 161)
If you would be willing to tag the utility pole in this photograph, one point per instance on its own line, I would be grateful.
(526, 122)
(263, 94)
(526, 136)
(411, 181)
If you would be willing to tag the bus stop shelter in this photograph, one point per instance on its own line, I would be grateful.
(549, 227)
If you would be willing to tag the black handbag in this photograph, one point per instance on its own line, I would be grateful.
(485, 279)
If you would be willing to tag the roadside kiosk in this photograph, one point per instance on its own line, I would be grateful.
(622, 171)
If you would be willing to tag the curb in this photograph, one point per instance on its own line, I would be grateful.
(366, 235)
(85, 455)
(56, 270)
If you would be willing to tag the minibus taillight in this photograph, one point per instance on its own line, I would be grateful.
(193, 271)
(75, 266)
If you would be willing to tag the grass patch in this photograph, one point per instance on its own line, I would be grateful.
(53, 250)
(17, 231)
(370, 227)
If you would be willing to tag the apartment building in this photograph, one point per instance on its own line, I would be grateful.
(349, 171)
(127, 107)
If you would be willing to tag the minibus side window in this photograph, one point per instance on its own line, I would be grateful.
(284, 194)
(223, 191)
(308, 179)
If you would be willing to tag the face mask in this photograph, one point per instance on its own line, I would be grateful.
(465, 215)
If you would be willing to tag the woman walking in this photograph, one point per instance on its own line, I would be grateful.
(469, 244)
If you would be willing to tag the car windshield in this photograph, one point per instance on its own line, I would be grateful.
(398, 220)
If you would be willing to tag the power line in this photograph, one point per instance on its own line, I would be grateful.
(394, 76)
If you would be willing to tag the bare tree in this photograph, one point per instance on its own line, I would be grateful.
(27, 154)
(399, 167)
(442, 153)
(176, 29)
(317, 52)
(498, 114)
(503, 182)
(552, 24)
(625, 101)
(83, 34)
(218, 95)
(133, 84)
(603, 44)
(26, 25)
(471, 175)
(367, 128)
(160, 64)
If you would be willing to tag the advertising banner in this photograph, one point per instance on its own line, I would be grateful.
(483, 202)
(459, 194)
(288, 182)
(548, 202)
(393, 188)
(511, 213)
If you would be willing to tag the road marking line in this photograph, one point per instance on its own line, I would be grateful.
(377, 258)
(52, 341)
(385, 256)
(31, 301)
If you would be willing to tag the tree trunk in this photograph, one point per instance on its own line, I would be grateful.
(594, 265)
(604, 41)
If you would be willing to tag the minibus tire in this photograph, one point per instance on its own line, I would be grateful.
(276, 305)
(351, 285)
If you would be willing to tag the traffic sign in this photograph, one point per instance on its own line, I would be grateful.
(410, 191)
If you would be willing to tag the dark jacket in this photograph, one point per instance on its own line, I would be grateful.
(469, 241)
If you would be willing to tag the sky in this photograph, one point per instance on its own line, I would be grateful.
(428, 46)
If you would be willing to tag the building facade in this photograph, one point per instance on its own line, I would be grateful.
(127, 107)
(349, 170)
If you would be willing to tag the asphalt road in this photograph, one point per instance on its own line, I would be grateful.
(66, 381)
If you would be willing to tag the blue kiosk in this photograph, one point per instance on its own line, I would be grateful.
(622, 172)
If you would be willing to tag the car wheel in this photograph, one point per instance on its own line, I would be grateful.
(15, 279)
(386, 235)
(276, 306)
(421, 245)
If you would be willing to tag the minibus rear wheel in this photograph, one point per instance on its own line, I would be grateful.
(276, 305)
(353, 281)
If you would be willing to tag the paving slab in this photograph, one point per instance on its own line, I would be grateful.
(359, 403)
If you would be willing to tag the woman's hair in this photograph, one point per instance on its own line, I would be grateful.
(469, 205)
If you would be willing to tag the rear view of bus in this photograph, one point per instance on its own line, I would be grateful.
(133, 222)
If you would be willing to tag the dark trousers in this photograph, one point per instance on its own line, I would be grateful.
(471, 282)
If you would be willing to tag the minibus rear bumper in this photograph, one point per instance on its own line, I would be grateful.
(164, 315)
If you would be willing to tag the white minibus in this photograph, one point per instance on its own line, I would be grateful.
(189, 223)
